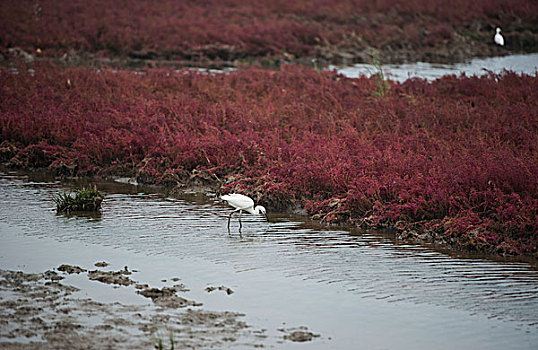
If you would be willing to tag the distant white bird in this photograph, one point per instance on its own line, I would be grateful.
(242, 203)
(499, 40)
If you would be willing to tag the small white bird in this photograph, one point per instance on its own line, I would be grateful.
(242, 203)
(499, 40)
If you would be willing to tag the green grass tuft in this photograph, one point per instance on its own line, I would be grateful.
(382, 84)
(86, 199)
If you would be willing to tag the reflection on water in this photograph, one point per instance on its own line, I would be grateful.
(368, 266)
(527, 64)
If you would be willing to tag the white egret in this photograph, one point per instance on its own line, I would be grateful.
(499, 40)
(242, 203)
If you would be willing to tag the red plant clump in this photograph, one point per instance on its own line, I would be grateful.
(238, 29)
(454, 160)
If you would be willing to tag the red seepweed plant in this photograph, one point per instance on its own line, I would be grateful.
(451, 161)
(216, 30)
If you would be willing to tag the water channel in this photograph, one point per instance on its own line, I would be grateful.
(522, 63)
(354, 290)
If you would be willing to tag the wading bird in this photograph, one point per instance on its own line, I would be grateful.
(242, 203)
(499, 40)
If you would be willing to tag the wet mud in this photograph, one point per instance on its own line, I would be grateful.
(167, 297)
(69, 269)
(112, 277)
(210, 289)
(39, 312)
(299, 335)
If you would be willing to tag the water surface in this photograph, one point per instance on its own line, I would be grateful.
(527, 64)
(354, 290)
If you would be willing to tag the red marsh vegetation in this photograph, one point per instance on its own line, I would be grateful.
(230, 30)
(453, 161)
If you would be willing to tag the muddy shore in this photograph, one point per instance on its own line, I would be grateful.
(41, 312)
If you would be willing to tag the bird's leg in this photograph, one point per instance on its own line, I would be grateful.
(229, 218)
(240, 224)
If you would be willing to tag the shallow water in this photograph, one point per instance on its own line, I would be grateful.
(527, 64)
(353, 290)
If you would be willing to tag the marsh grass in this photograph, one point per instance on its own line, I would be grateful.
(382, 85)
(455, 157)
(158, 338)
(238, 30)
(87, 199)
